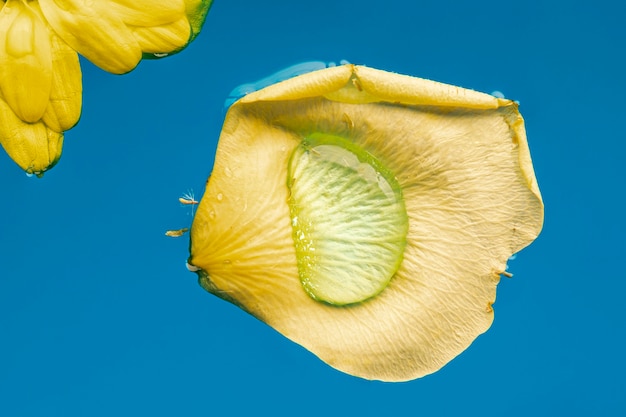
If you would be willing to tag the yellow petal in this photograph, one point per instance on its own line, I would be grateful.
(33, 146)
(95, 31)
(64, 107)
(463, 164)
(163, 39)
(65, 104)
(176, 233)
(148, 13)
(25, 61)
(196, 13)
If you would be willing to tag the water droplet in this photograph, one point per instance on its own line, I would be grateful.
(212, 214)
(220, 196)
(192, 268)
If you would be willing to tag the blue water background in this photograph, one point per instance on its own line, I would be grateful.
(99, 317)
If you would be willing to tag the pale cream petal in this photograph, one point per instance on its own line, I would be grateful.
(163, 39)
(93, 30)
(462, 161)
(25, 61)
(148, 13)
(33, 146)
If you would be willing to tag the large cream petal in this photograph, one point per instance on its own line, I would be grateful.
(33, 146)
(95, 31)
(25, 60)
(463, 163)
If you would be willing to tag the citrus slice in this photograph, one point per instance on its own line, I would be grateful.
(348, 218)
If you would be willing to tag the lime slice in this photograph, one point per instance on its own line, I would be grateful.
(348, 218)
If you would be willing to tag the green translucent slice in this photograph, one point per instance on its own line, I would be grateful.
(348, 217)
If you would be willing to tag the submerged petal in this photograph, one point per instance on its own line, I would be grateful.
(25, 60)
(95, 31)
(196, 13)
(168, 40)
(463, 166)
(163, 39)
(148, 12)
(33, 146)
(65, 101)
(65, 104)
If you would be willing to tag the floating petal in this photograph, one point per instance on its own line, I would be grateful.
(282, 75)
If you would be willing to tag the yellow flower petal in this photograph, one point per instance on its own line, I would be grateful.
(155, 48)
(65, 104)
(163, 39)
(64, 107)
(25, 61)
(148, 12)
(33, 146)
(196, 13)
(463, 164)
(95, 31)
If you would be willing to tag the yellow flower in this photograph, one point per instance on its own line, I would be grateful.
(367, 215)
(40, 77)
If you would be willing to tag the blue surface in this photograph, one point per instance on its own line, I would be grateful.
(99, 317)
